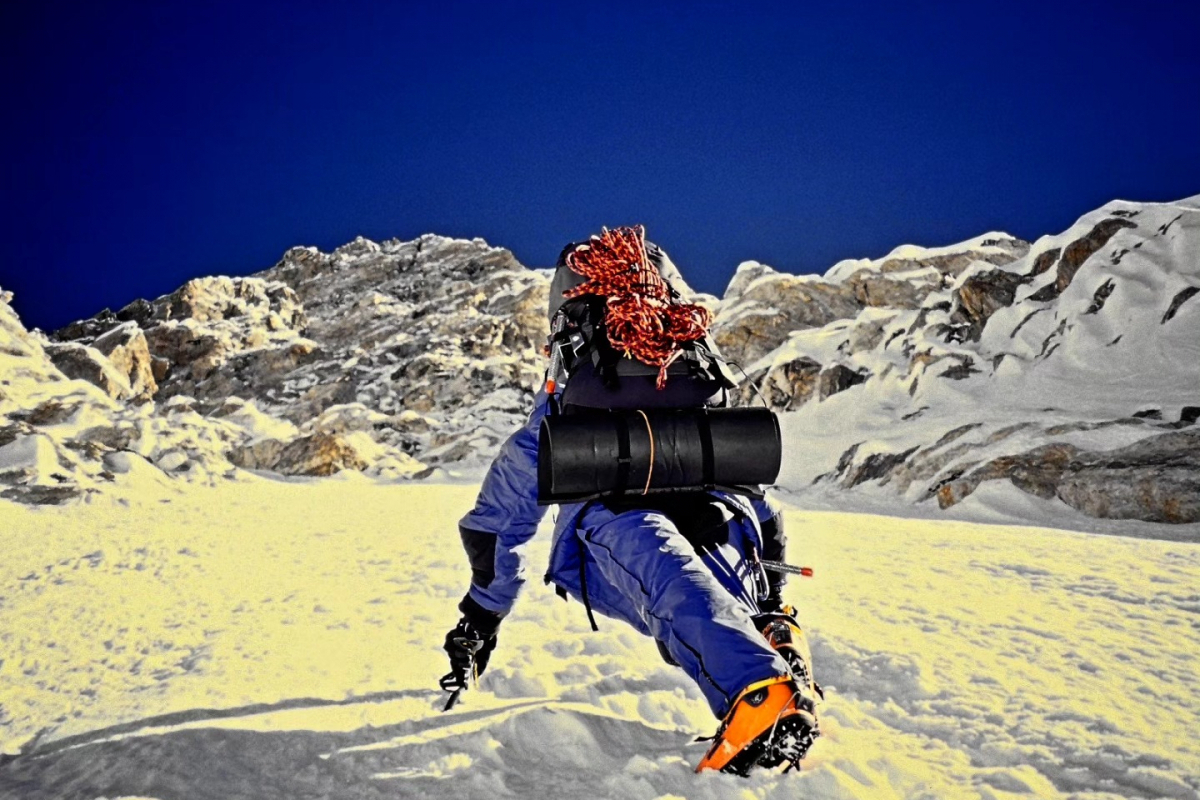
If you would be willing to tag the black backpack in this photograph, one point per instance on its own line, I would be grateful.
(592, 374)
(624, 429)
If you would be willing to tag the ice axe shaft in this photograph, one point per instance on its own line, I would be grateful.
(779, 566)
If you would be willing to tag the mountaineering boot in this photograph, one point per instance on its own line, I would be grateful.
(770, 723)
(785, 635)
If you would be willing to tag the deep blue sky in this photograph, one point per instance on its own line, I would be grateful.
(147, 143)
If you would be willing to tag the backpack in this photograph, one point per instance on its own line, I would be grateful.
(621, 336)
(641, 390)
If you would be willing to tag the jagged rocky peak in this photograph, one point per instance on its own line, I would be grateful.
(251, 302)
(434, 323)
(360, 282)
(1061, 372)
(426, 351)
(762, 306)
(74, 418)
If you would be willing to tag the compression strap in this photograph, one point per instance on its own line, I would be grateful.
(623, 455)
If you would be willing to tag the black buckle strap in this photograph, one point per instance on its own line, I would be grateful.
(706, 450)
(623, 453)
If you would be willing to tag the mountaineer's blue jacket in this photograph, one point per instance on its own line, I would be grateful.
(633, 566)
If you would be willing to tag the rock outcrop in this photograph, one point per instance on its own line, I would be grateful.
(762, 307)
(73, 421)
(387, 358)
(127, 350)
(757, 314)
(1156, 479)
(79, 362)
(1057, 373)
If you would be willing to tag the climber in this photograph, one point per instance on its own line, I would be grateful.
(667, 535)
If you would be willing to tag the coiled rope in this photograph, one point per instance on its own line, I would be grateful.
(641, 319)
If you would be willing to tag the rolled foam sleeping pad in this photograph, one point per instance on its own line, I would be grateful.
(607, 453)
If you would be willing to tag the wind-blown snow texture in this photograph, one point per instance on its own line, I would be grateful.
(188, 622)
(272, 639)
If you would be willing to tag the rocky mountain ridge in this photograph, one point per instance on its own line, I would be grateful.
(1071, 373)
(905, 375)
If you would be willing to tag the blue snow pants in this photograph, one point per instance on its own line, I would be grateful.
(636, 566)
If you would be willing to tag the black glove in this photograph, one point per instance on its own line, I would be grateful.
(469, 644)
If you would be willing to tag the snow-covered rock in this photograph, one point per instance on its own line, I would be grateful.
(1047, 371)
(762, 307)
(69, 435)
(427, 353)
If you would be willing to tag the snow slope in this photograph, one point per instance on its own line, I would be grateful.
(271, 638)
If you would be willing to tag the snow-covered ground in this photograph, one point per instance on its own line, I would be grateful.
(269, 638)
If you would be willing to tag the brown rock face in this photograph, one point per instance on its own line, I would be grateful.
(874, 466)
(1156, 479)
(785, 387)
(127, 349)
(879, 291)
(788, 386)
(319, 454)
(1073, 257)
(771, 307)
(261, 454)
(838, 378)
(79, 362)
(188, 347)
(1082, 249)
(977, 299)
(160, 368)
(1044, 262)
(1036, 472)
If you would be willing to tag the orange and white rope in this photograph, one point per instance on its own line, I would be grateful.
(641, 319)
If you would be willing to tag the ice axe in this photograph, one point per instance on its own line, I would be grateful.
(455, 681)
